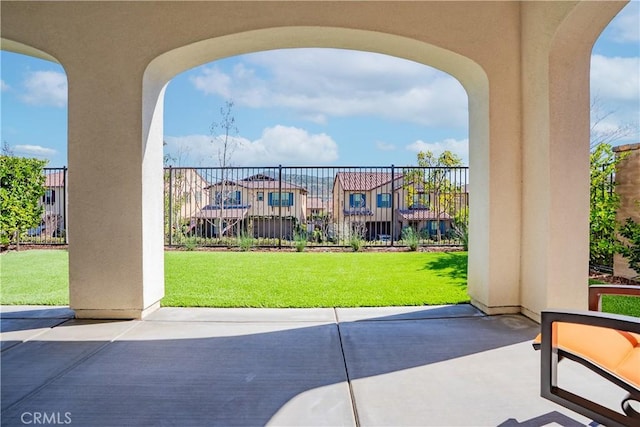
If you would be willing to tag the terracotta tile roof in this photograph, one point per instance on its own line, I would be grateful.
(55, 179)
(261, 185)
(421, 214)
(210, 212)
(364, 181)
(317, 203)
(271, 185)
(363, 212)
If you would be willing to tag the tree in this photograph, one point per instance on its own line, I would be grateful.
(630, 230)
(6, 149)
(174, 195)
(21, 188)
(604, 203)
(429, 185)
(602, 134)
(223, 133)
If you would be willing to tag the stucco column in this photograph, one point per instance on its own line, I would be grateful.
(495, 198)
(557, 39)
(115, 193)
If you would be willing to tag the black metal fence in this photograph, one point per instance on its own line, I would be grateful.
(294, 207)
(315, 206)
(52, 229)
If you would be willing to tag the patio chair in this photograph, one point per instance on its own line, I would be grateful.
(607, 344)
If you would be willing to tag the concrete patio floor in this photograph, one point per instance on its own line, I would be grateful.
(427, 366)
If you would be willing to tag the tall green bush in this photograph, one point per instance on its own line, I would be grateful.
(604, 203)
(21, 188)
(410, 238)
(630, 230)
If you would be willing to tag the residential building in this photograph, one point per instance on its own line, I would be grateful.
(259, 204)
(379, 206)
(185, 193)
(319, 218)
(54, 202)
(318, 208)
(363, 203)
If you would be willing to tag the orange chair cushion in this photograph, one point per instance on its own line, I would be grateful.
(615, 351)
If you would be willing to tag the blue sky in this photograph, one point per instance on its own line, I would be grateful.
(311, 106)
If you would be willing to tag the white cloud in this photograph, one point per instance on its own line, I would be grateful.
(323, 83)
(277, 145)
(33, 150)
(45, 88)
(4, 86)
(615, 86)
(212, 82)
(626, 26)
(459, 147)
(616, 78)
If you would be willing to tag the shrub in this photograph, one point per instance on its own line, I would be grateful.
(21, 187)
(356, 236)
(356, 243)
(630, 230)
(461, 232)
(410, 238)
(190, 243)
(300, 241)
(604, 203)
(245, 242)
(317, 236)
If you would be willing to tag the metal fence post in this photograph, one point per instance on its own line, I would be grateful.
(65, 192)
(393, 204)
(280, 205)
(170, 213)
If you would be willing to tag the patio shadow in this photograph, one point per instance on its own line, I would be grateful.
(232, 374)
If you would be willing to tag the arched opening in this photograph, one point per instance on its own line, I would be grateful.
(310, 122)
(468, 73)
(615, 132)
(34, 118)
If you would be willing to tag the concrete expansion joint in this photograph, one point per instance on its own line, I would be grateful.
(346, 370)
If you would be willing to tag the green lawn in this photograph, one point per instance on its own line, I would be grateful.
(619, 303)
(274, 279)
(34, 277)
(263, 279)
(313, 279)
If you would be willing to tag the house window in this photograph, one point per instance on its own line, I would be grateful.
(357, 200)
(384, 200)
(49, 197)
(260, 196)
(420, 200)
(232, 198)
(280, 199)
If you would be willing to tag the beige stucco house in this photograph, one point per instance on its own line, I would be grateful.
(318, 207)
(380, 205)
(54, 202)
(186, 193)
(260, 205)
